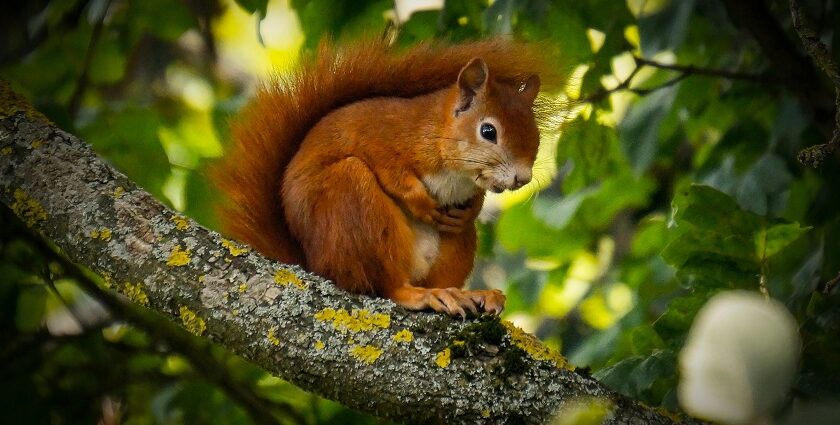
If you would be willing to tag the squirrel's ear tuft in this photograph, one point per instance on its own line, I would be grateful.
(471, 80)
(530, 89)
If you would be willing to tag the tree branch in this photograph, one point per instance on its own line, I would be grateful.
(364, 352)
(815, 155)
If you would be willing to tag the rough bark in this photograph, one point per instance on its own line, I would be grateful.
(364, 352)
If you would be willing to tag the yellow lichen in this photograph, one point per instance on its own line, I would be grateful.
(404, 335)
(485, 413)
(28, 209)
(536, 349)
(7, 150)
(285, 277)
(272, 336)
(104, 234)
(366, 353)
(201, 278)
(355, 321)
(118, 192)
(192, 322)
(585, 410)
(233, 249)
(37, 143)
(181, 222)
(443, 358)
(319, 345)
(135, 293)
(178, 257)
(243, 287)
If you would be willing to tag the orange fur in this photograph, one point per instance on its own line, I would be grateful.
(345, 166)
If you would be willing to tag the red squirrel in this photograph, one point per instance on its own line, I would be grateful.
(368, 165)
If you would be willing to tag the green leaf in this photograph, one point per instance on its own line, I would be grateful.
(711, 210)
(558, 213)
(678, 317)
(710, 243)
(560, 22)
(651, 237)
(462, 19)
(665, 29)
(421, 26)
(319, 18)
(807, 277)
(619, 376)
(636, 341)
(710, 272)
(635, 376)
(518, 229)
(591, 151)
(639, 130)
(764, 187)
(776, 238)
(614, 195)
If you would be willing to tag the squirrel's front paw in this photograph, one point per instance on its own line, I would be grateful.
(453, 219)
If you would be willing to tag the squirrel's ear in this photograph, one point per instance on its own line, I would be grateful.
(471, 80)
(530, 89)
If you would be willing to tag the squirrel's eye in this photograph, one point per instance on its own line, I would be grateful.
(488, 132)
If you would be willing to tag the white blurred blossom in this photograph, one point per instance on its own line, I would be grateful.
(740, 359)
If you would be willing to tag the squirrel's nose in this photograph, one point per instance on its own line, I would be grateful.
(520, 181)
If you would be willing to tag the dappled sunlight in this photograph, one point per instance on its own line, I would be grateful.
(256, 47)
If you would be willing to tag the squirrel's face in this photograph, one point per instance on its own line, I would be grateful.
(493, 129)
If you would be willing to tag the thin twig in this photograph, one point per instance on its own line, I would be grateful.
(709, 72)
(819, 53)
(829, 286)
(669, 83)
(81, 86)
(685, 72)
(604, 93)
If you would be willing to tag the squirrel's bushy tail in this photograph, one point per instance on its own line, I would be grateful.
(267, 133)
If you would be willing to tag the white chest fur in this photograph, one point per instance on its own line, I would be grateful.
(450, 187)
(426, 250)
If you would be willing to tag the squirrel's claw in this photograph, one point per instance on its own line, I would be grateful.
(490, 300)
(451, 301)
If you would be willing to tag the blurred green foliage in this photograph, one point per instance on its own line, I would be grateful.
(664, 187)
